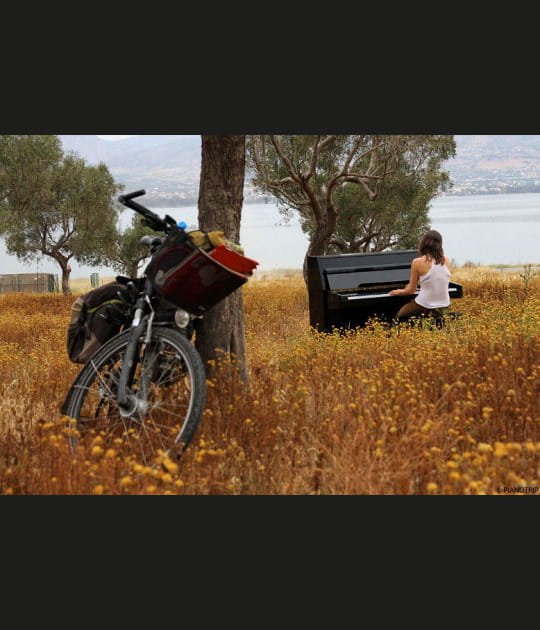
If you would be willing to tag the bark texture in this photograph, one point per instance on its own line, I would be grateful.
(221, 333)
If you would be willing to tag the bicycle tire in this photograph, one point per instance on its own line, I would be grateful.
(174, 379)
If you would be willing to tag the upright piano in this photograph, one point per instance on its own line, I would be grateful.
(346, 290)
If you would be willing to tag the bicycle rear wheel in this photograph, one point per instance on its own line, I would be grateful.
(167, 391)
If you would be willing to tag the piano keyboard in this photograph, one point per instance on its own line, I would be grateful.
(371, 296)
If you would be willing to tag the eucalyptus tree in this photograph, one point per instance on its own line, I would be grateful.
(395, 219)
(306, 174)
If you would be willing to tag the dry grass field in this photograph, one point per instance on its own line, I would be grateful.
(446, 412)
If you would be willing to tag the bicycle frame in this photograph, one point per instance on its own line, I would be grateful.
(144, 311)
(141, 324)
(146, 386)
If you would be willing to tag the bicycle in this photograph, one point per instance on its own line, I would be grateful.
(144, 390)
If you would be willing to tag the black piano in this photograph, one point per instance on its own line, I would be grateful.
(348, 289)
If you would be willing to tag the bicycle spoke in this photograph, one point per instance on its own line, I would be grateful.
(160, 397)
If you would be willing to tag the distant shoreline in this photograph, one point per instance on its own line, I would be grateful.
(265, 274)
(179, 202)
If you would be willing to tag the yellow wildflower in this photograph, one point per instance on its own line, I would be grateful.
(484, 448)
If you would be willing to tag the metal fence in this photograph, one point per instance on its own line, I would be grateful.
(29, 283)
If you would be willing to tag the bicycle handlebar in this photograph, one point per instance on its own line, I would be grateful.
(137, 193)
(151, 219)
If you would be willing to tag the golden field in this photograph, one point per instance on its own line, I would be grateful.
(446, 412)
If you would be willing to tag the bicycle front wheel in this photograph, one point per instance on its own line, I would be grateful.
(167, 394)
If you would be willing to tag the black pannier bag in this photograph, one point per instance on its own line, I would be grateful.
(96, 317)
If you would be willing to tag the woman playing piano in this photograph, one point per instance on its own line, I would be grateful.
(432, 272)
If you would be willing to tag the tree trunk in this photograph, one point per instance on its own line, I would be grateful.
(221, 195)
(320, 239)
(66, 271)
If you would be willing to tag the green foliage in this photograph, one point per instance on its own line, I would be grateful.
(130, 253)
(395, 219)
(280, 167)
(54, 204)
(353, 193)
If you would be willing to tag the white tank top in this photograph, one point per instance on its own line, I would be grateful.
(434, 287)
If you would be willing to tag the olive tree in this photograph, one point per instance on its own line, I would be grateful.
(55, 205)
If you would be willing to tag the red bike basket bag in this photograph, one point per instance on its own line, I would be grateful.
(233, 260)
(190, 278)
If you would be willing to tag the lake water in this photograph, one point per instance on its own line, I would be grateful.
(489, 229)
(482, 229)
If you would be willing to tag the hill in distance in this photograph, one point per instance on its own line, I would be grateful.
(168, 166)
(162, 164)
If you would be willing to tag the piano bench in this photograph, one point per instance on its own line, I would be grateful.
(435, 319)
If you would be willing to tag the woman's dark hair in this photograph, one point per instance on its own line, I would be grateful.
(431, 246)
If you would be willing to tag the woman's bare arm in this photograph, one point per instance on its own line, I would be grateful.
(410, 289)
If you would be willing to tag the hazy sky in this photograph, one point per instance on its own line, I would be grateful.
(115, 137)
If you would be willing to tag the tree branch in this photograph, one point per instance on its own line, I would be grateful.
(360, 242)
(344, 174)
(302, 182)
(316, 152)
(339, 243)
(285, 160)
